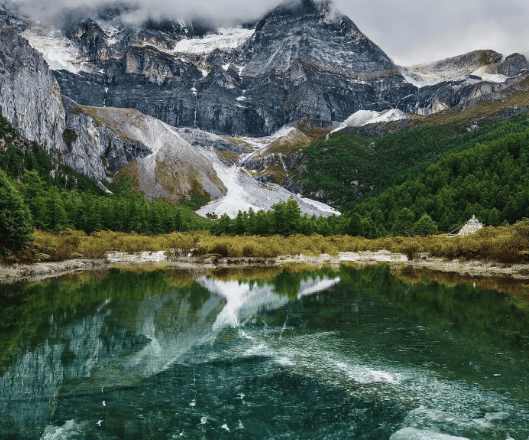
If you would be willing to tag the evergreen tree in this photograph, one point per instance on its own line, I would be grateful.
(424, 226)
(404, 222)
(354, 224)
(240, 223)
(16, 224)
(58, 220)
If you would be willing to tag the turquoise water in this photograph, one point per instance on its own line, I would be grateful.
(329, 354)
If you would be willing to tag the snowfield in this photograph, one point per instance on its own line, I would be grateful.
(57, 50)
(225, 39)
(244, 192)
(364, 117)
(427, 75)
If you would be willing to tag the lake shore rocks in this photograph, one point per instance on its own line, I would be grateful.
(174, 259)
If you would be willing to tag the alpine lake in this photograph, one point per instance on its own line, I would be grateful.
(271, 353)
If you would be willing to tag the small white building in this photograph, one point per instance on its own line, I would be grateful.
(470, 227)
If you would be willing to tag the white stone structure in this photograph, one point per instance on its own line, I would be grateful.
(470, 227)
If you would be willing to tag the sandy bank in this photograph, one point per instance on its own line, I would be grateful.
(39, 271)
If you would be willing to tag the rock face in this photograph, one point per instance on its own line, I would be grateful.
(298, 63)
(96, 150)
(309, 65)
(513, 65)
(165, 165)
(30, 97)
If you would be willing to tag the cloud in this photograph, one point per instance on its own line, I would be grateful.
(138, 11)
(409, 31)
(419, 31)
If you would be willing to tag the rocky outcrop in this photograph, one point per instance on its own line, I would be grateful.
(30, 97)
(166, 166)
(298, 64)
(93, 148)
(513, 65)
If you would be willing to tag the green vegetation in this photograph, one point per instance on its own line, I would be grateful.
(347, 166)
(489, 180)
(15, 219)
(40, 192)
(69, 136)
(427, 179)
(285, 219)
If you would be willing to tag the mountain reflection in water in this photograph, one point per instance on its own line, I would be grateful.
(345, 353)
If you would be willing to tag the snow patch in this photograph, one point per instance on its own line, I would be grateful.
(427, 75)
(57, 50)
(319, 205)
(225, 39)
(244, 192)
(364, 117)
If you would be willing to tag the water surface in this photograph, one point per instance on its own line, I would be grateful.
(328, 354)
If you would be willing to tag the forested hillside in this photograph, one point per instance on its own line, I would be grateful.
(485, 173)
(39, 192)
(348, 168)
(489, 180)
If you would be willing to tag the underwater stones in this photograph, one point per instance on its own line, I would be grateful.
(419, 434)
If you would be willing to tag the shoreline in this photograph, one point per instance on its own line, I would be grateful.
(473, 268)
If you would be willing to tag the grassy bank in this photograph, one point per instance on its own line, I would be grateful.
(509, 244)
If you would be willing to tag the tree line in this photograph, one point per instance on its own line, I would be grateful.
(489, 180)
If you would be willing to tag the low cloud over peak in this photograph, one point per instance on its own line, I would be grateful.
(409, 31)
(136, 12)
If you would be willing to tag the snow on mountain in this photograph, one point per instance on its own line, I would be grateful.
(364, 117)
(422, 76)
(58, 51)
(479, 63)
(244, 192)
(225, 39)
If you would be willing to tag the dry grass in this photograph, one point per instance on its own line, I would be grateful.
(131, 171)
(276, 172)
(502, 245)
(289, 144)
(240, 143)
(230, 156)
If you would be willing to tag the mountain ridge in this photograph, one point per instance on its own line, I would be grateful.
(226, 87)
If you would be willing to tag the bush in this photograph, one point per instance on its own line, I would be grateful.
(69, 136)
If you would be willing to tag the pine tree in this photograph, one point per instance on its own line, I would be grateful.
(424, 226)
(354, 224)
(404, 222)
(16, 224)
(58, 220)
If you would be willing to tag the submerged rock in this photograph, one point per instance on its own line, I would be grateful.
(418, 434)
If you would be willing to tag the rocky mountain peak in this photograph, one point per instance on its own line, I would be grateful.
(513, 65)
(306, 31)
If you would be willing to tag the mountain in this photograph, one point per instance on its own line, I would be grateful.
(186, 108)
(296, 63)
(299, 61)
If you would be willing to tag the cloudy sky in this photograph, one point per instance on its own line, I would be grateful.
(409, 31)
